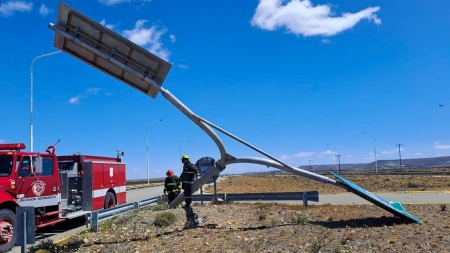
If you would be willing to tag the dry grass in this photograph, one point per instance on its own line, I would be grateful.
(294, 183)
(271, 227)
(284, 228)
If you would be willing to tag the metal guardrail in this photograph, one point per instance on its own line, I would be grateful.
(269, 196)
(96, 217)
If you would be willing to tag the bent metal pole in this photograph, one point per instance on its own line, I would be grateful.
(225, 158)
(82, 37)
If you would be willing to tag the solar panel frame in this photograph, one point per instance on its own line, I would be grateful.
(113, 45)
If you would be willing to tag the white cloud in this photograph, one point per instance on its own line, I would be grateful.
(172, 38)
(116, 2)
(8, 9)
(392, 151)
(75, 100)
(300, 17)
(183, 66)
(149, 38)
(44, 11)
(87, 93)
(437, 145)
(109, 26)
(298, 155)
(328, 152)
(2, 141)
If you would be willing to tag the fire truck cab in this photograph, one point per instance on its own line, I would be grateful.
(58, 187)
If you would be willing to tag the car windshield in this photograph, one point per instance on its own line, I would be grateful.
(5, 165)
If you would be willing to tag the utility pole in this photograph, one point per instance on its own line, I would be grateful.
(400, 156)
(310, 169)
(339, 161)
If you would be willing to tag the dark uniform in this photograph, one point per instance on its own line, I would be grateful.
(188, 176)
(172, 187)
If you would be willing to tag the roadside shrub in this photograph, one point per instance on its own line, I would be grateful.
(302, 219)
(160, 207)
(297, 218)
(164, 219)
(262, 205)
(116, 221)
(47, 246)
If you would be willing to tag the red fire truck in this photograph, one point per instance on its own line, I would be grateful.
(58, 187)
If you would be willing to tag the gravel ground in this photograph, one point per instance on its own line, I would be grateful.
(272, 227)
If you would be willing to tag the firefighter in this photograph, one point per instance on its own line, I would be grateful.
(172, 185)
(188, 176)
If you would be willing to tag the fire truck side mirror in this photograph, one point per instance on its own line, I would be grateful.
(38, 163)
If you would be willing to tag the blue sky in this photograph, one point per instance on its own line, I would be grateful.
(300, 80)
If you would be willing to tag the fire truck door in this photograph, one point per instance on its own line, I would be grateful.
(37, 188)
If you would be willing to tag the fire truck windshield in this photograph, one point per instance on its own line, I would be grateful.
(5, 165)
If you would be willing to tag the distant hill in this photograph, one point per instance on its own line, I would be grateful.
(432, 162)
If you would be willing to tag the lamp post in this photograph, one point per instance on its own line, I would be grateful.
(31, 94)
(400, 155)
(339, 159)
(375, 154)
(146, 137)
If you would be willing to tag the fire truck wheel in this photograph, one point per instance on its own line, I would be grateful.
(110, 200)
(7, 225)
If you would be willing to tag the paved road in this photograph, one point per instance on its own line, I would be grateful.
(144, 193)
(404, 198)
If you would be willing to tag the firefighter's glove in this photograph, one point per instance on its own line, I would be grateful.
(165, 191)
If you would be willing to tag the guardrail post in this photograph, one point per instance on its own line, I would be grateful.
(225, 198)
(305, 199)
(135, 205)
(94, 220)
(159, 200)
(25, 227)
(88, 218)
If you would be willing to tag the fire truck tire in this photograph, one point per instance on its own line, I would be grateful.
(7, 219)
(110, 200)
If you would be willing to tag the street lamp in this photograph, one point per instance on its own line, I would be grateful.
(146, 137)
(375, 154)
(31, 95)
(400, 155)
(339, 159)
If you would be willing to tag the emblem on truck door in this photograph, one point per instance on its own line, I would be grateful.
(38, 187)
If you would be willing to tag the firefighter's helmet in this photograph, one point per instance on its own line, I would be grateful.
(185, 157)
(169, 173)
